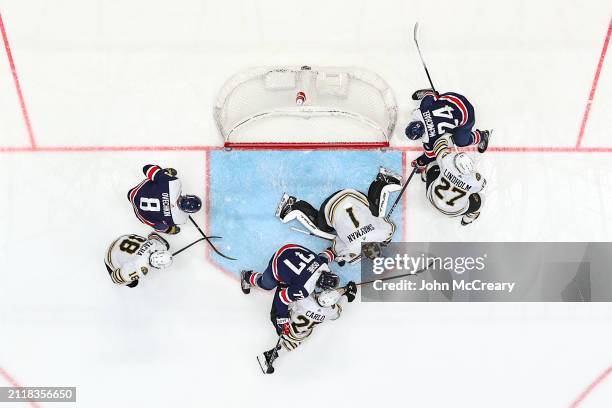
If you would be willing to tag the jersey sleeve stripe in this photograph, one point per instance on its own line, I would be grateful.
(284, 297)
(329, 254)
(152, 172)
(275, 260)
(253, 279)
(476, 135)
(459, 104)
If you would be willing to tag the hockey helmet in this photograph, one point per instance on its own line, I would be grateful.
(328, 280)
(371, 250)
(189, 203)
(160, 259)
(328, 298)
(415, 130)
(464, 163)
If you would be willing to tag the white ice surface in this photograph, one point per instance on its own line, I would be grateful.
(145, 73)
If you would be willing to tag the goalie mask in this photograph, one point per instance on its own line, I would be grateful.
(160, 259)
(328, 298)
(372, 250)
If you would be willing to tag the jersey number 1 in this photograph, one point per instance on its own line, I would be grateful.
(351, 215)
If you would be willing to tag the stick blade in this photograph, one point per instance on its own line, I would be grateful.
(264, 367)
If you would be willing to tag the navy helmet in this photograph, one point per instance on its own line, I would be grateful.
(415, 130)
(189, 203)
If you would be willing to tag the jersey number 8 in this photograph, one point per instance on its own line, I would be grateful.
(149, 204)
(132, 244)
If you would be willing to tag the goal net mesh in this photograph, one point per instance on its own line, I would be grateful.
(305, 107)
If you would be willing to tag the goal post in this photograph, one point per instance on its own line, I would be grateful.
(304, 107)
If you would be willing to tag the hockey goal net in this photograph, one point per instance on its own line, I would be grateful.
(304, 107)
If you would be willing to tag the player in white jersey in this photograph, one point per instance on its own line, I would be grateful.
(348, 218)
(130, 257)
(454, 187)
(305, 315)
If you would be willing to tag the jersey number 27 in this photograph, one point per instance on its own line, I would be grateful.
(445, 186)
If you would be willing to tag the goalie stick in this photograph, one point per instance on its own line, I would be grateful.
(397, 276)
(343, 289)
(208, 240)
(399, 196)
(310, 233)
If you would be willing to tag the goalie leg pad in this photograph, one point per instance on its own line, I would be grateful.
(378, 194)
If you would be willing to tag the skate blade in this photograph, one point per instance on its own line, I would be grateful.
(264, 368)
(281, 204)
(391, 173)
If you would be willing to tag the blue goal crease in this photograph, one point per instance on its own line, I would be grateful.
(246, 186)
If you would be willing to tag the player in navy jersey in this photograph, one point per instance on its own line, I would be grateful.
(158, 202)
(443, 114)
(295, 272)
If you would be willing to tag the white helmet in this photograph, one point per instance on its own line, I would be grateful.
(160, 259)
(328, 298)
(464, 163)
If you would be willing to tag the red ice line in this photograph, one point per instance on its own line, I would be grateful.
(587, 109)
(14, 383)
(86, 149)
(508, 149)
(24, 110)
(591, 387)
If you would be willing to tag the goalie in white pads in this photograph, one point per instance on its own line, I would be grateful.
(348, 218)
(305, 315)
(130, 257)
(453, 185)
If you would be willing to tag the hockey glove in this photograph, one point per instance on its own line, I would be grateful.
(419, 163)
(175, 229)
(282, 325)
(351, 291)
(171, 172)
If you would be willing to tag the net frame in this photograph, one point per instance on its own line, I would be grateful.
(378, 114)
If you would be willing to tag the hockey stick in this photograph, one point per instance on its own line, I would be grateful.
(192, 244)
(310, 233)
(401, 193)
(397, 276)
(416, 28)
(208, 240)
(270, 369)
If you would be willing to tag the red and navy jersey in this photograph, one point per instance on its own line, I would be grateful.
(296, 269)
(154, 200)
(449, 112)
